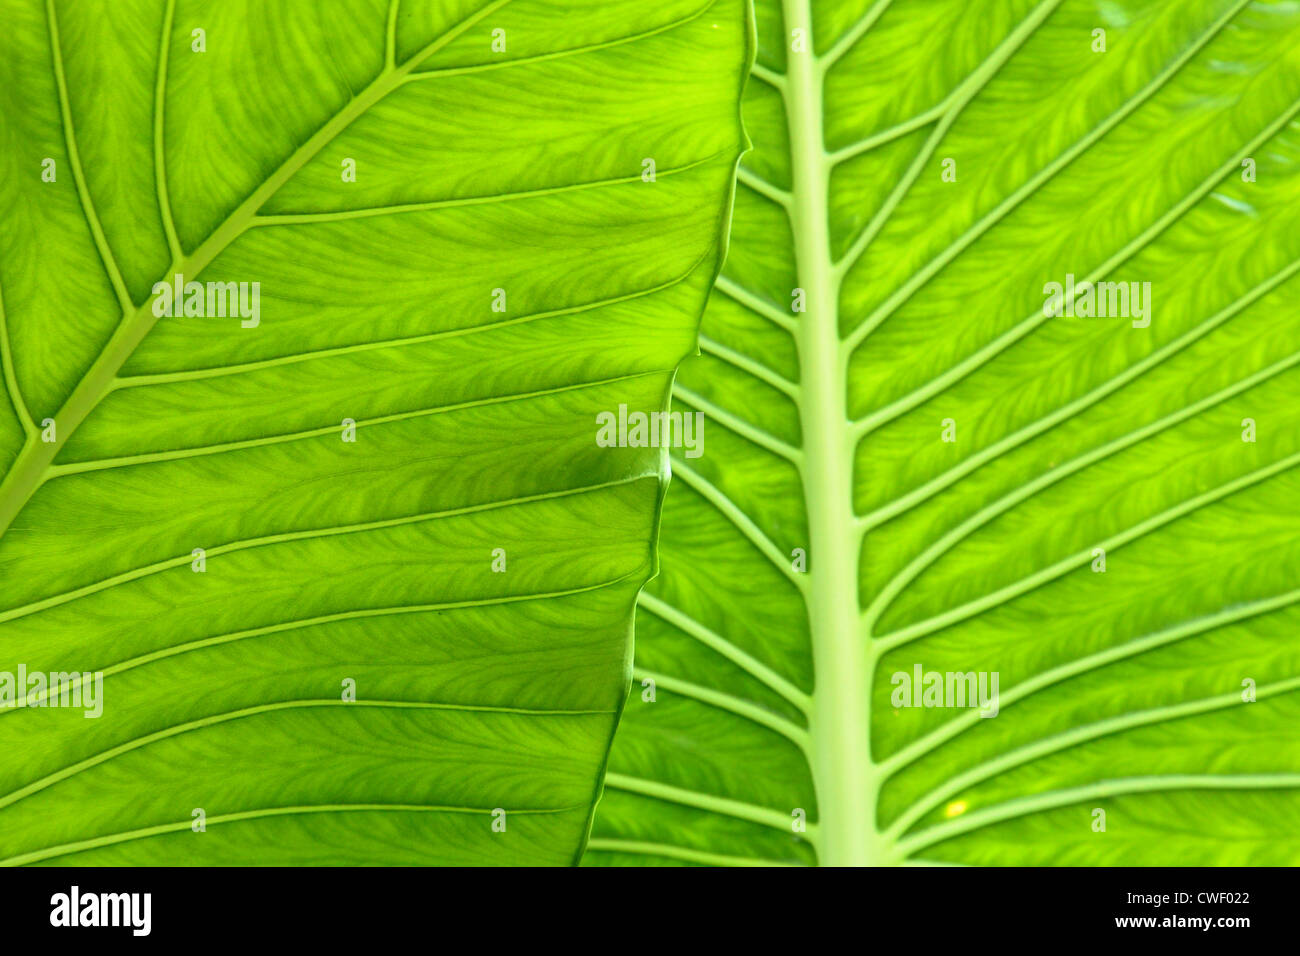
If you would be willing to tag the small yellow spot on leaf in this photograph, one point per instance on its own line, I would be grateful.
(955, 809)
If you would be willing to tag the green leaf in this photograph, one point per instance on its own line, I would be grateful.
(443, 562)
(1123, 691)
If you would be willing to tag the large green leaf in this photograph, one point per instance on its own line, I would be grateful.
(479, 167)
(1120, 691)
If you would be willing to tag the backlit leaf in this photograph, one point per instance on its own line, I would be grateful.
(458, 255)
(922, 172)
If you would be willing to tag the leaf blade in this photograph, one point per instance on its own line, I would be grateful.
(1121, 691)
(328, 561)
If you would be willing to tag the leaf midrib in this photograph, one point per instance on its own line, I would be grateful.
(839, 723)
(32, 466)
(893, 844)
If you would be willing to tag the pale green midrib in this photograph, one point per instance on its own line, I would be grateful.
(839, 726)
(803, 20)
(170, 732)
(111, 839)
(29, 469)
(857, 248)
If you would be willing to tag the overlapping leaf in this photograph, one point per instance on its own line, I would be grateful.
(1168, 157)
(498, 271)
